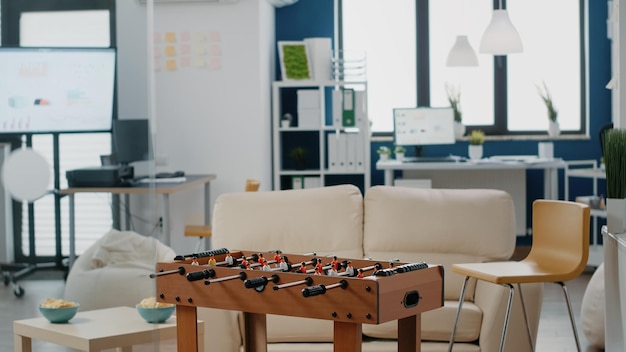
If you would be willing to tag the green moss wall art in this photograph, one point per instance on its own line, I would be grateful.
(294, 60)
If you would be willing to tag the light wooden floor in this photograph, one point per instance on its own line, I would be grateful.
(554, 330)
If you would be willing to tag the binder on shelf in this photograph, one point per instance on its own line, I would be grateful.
(351, 145)
(312, 182)
(331, 143)
(360, 110)
(348, 108)
(309, 111)
(359, 152)
(297, 182)
(337, 99)
(341, 152)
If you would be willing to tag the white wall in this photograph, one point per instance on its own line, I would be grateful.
(213, 121)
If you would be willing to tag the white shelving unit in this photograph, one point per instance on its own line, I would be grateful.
(589, 169)
(316, 136)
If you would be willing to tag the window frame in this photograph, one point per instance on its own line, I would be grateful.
(10, 13)
(500, 94)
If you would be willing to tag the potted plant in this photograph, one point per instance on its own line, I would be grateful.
(285, 120)
(298, 155)
(383, 152)
(476, 140)
(399, 151)
(614, 146)
(454, 98)
(553, 127)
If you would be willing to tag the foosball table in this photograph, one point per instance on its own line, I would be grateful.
(350, 292)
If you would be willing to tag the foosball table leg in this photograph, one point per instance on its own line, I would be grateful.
(347, 337)
(410, 333)
(255, 328)
(186, 328)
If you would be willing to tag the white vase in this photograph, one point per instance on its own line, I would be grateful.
(475, 152)
(459, 130)
(383, 157)
(400, 156)
(554, 129)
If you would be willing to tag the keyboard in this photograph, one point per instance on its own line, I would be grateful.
(433, 159)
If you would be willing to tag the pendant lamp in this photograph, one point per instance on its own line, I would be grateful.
(500, 37)
(462, 54)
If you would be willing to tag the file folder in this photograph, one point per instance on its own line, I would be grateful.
(348, 108)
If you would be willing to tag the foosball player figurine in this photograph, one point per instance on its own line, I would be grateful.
(319, 264)
(212, 261)
(244, 262)
(229, 259)
(248, 266)
(334, 262)
(283, 264)
(277, 258)
(261, 259)
(333, 270)
(318, 271)
(302, 268)
(266, 267)
(360, 274)
(391, 265)
(349, 269)
(194, 262)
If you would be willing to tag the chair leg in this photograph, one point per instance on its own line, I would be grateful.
(530, 336)
(198, 245)
(571, 315)
(506, 316)
(458, 314)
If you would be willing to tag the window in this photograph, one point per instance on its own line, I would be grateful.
(500, 95)
(87, 25)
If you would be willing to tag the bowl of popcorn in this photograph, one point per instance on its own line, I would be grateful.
(57, 310)
(153, 311)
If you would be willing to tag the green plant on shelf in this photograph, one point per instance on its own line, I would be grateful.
(298, 155)
(477, 137)
(615, 163)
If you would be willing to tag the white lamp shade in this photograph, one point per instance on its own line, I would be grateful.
(500, 37)
(462, 53)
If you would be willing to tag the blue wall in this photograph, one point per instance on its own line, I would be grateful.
(311, 18)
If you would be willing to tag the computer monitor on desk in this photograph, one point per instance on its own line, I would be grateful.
(416, 127)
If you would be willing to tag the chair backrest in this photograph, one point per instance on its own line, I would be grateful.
(252, 185)
(560, 237)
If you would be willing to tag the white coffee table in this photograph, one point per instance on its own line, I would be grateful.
(119, 327)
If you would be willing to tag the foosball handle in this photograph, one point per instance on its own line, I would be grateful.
(199, 275)
(313, 290)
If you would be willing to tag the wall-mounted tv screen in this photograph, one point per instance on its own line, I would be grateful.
(44, 90)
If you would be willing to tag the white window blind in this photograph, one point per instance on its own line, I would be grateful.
(93, 211)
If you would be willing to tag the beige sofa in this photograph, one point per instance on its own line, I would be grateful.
(433, 225)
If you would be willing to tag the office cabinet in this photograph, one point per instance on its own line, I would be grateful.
(326, 140)
(588, 169)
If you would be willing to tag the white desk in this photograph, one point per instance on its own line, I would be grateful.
(509, 176)
(163, 189)
(95, 330)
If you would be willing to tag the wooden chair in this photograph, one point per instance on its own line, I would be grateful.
(204, 231)
(559, 253)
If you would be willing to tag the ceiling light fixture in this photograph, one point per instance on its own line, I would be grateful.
(500, 37)
(462, 54)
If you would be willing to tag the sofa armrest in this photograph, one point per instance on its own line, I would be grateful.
(492, 300)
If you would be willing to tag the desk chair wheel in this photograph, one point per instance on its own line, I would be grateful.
(18, 291)
(7, 278)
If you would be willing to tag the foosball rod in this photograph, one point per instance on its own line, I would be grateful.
(308, 281)
(180, 270)
(242, 276)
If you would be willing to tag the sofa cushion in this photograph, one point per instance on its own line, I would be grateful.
(327, 220)
(481, 229)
